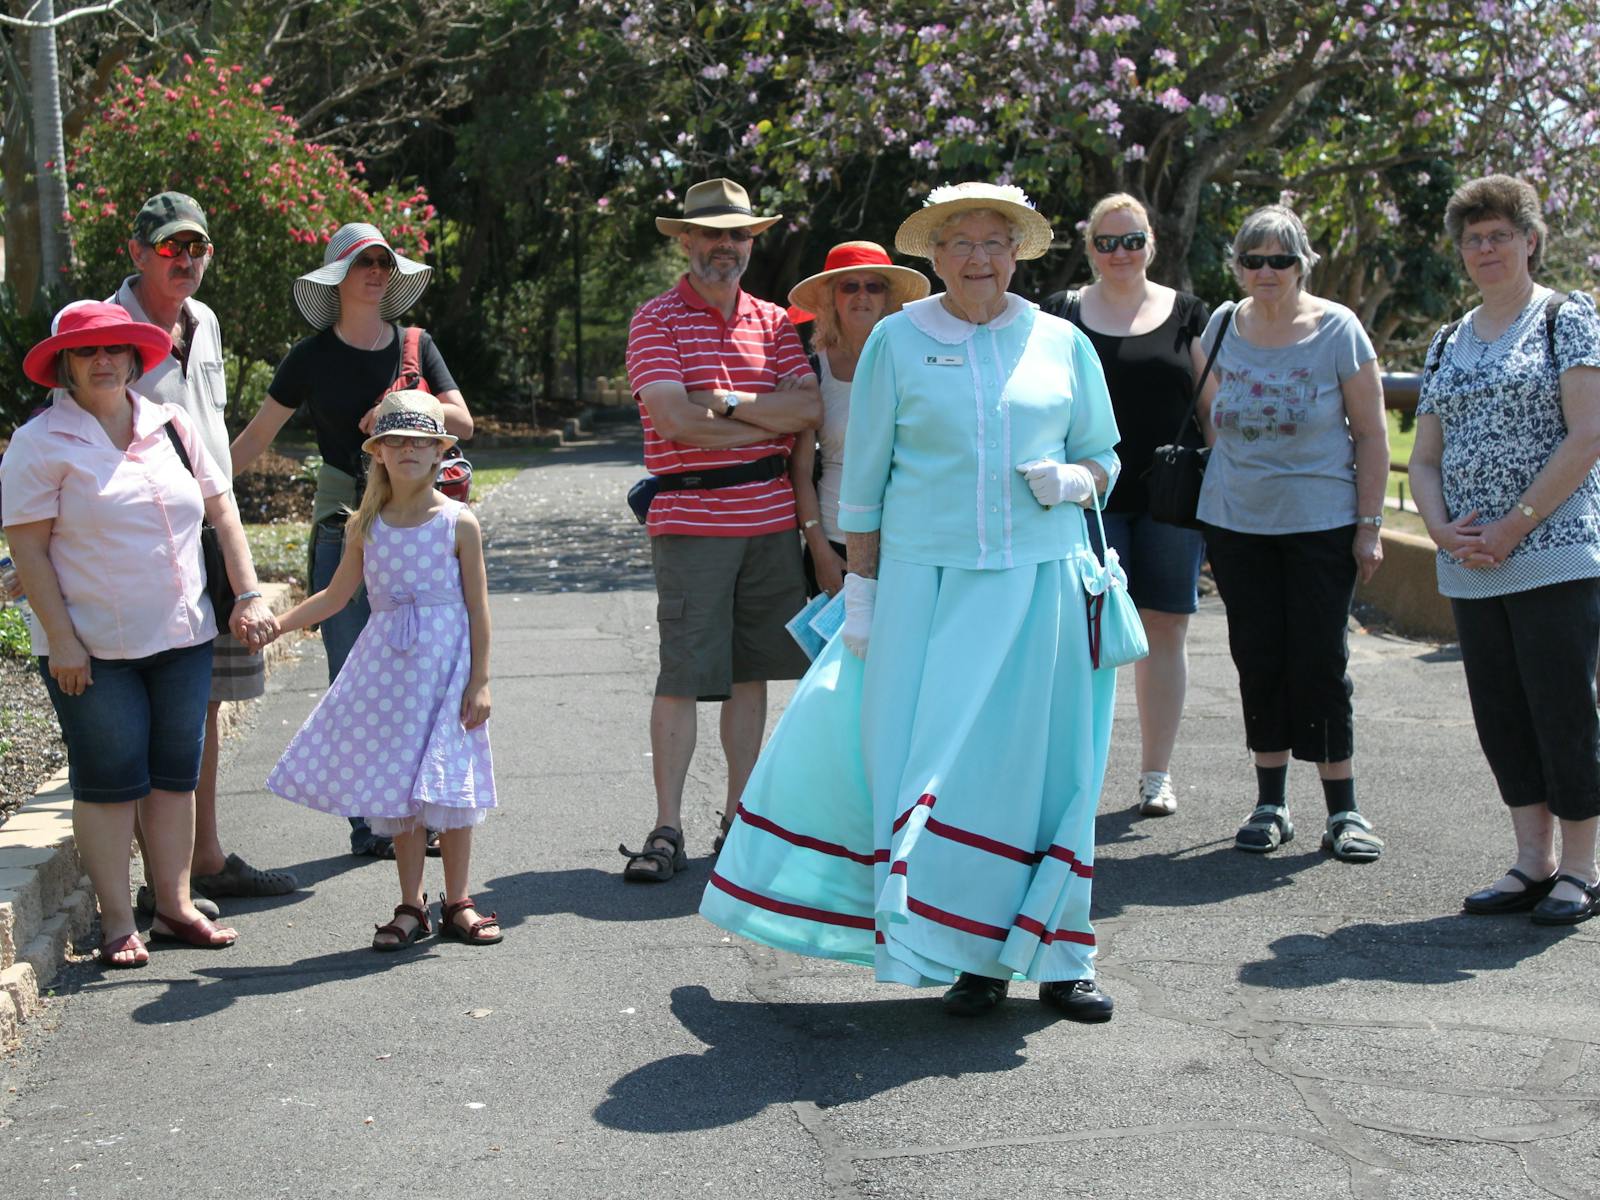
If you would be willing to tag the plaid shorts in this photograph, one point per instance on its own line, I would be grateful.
(236, 674)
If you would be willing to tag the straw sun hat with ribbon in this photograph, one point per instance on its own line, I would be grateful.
(716, 204)
(811, 293)
(94, 323)
(409, 413)
(916, 233)
(316, 293)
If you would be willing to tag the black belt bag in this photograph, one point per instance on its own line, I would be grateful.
(774, 466)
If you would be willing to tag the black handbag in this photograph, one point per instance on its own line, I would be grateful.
(1178, 470)
(217, 585)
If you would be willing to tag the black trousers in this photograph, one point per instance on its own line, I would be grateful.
(1530, 660)
(1288, 599)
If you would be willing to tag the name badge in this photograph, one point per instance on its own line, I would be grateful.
(942, 360)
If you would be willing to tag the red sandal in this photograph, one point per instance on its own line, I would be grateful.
(473, 933)
(106, 954)
(403, 937)
(200, 932)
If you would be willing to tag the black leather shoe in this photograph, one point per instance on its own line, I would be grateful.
(1568, 912)
(973, 995)
(1490, 902)
(1077, 1000)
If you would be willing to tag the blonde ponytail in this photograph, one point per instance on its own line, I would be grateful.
(373, 499)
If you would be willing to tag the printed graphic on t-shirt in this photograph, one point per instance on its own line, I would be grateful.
(1264, 405)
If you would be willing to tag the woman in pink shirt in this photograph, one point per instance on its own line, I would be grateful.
(103, 520)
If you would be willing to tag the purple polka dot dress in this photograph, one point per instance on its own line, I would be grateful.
(386, 741)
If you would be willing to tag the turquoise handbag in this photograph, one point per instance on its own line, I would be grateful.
(1116, 635)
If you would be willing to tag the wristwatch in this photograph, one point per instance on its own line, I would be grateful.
(1527, 511)
(730, 401)
(1376, 522)
(243, 596)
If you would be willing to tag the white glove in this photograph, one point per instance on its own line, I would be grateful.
(1057, 483)
(860, 596)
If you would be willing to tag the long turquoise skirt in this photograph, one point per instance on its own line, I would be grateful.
(931, 811)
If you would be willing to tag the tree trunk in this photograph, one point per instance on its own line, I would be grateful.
(49, 147)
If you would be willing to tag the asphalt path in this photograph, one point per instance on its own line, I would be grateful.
(1286, 1025)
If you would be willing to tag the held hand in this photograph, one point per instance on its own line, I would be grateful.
(11, 583)
(860, 597)
(1496, 541)
(368, 420)
(1055, 483)
(1368, 550)
(474, 705)
(1462, 540)
(69, 667)
(253, 624)
(830, 569)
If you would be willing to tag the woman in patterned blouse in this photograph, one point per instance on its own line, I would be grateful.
(1508, 431)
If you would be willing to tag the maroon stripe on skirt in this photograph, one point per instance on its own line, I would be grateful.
(1079, 867)
(926, 800)
(954, 921)
(803, 840)
(1029, 925)
(804, 912)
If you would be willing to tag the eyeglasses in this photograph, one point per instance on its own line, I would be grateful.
(173, 248)
(1278, 262)
(374, 262)
(873, 287)
(716, 235)
(1480, 241)
(91, 351)
(964, 248)
(399, 441)
(1107, 243)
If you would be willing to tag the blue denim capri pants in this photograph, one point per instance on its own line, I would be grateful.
(139, 725)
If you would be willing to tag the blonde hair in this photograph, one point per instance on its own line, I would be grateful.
(826, 334)
(1119, 202)
(378, 493)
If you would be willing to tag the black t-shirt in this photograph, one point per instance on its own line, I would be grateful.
(1151, 380)
(340, 383)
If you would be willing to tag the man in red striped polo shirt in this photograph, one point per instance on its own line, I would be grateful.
(723, 386)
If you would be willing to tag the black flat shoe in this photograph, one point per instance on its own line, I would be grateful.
(1077, 1000)
(1568, 912)
(973, 995)
(1489, 902)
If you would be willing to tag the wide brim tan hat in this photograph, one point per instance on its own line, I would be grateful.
(410, 413)
(717, 204)
(316, 293)
(916, 233)
(905, 284)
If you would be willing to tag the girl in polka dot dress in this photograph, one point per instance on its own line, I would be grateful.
(400, 737)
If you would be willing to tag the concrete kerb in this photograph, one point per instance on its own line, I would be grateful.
(1406, 589)
(46, 903)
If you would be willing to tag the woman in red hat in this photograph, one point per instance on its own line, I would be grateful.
(103, 499)
(857, 287)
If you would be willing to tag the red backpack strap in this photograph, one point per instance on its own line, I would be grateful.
(411, 359)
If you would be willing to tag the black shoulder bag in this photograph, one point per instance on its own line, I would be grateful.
(216, 570)
(1177, 470)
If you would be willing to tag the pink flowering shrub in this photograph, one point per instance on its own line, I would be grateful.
(271, 199)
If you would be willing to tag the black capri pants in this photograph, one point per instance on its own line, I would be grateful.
(1288, 599)
(1530, 660)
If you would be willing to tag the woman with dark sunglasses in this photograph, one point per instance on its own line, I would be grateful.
(856, 288)
(1147, 336)
(1292, 503)
(339, 373)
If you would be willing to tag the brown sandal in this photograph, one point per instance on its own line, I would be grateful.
(655, 864)
(471, 933)
(403, 937)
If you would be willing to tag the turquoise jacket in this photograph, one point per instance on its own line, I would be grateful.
(941, 414)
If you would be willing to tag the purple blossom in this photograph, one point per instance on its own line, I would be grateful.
(1173, 100)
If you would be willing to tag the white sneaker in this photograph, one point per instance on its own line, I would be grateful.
(1156, 797)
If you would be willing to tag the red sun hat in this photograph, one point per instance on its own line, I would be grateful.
(811, 293)
(94, 323)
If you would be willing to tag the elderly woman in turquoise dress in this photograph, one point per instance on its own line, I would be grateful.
(926, 805)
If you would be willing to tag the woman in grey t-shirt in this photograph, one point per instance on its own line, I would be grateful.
(1292, 503)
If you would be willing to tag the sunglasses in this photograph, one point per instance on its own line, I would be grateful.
(91, 351)
(873, 287)
(1107, 243)
(1278, 262)
(716, 235)
(173, 248)
(374, 262)
(399, 441)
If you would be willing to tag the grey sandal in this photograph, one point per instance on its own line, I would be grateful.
(1268, 828)
(655, 864)
(1349, 837)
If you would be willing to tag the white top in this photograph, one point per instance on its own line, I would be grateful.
(830, 440)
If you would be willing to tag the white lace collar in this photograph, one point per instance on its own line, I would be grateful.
(939, 323)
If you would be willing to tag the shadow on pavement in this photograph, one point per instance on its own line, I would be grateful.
(1446, 949)
(595, 895)
(573, 554)
(753, 1048)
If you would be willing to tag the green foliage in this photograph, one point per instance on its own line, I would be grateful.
(279, 551)
(14, 633)
(271, 199)
(19, 333)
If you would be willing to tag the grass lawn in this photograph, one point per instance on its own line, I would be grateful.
(279, 550)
